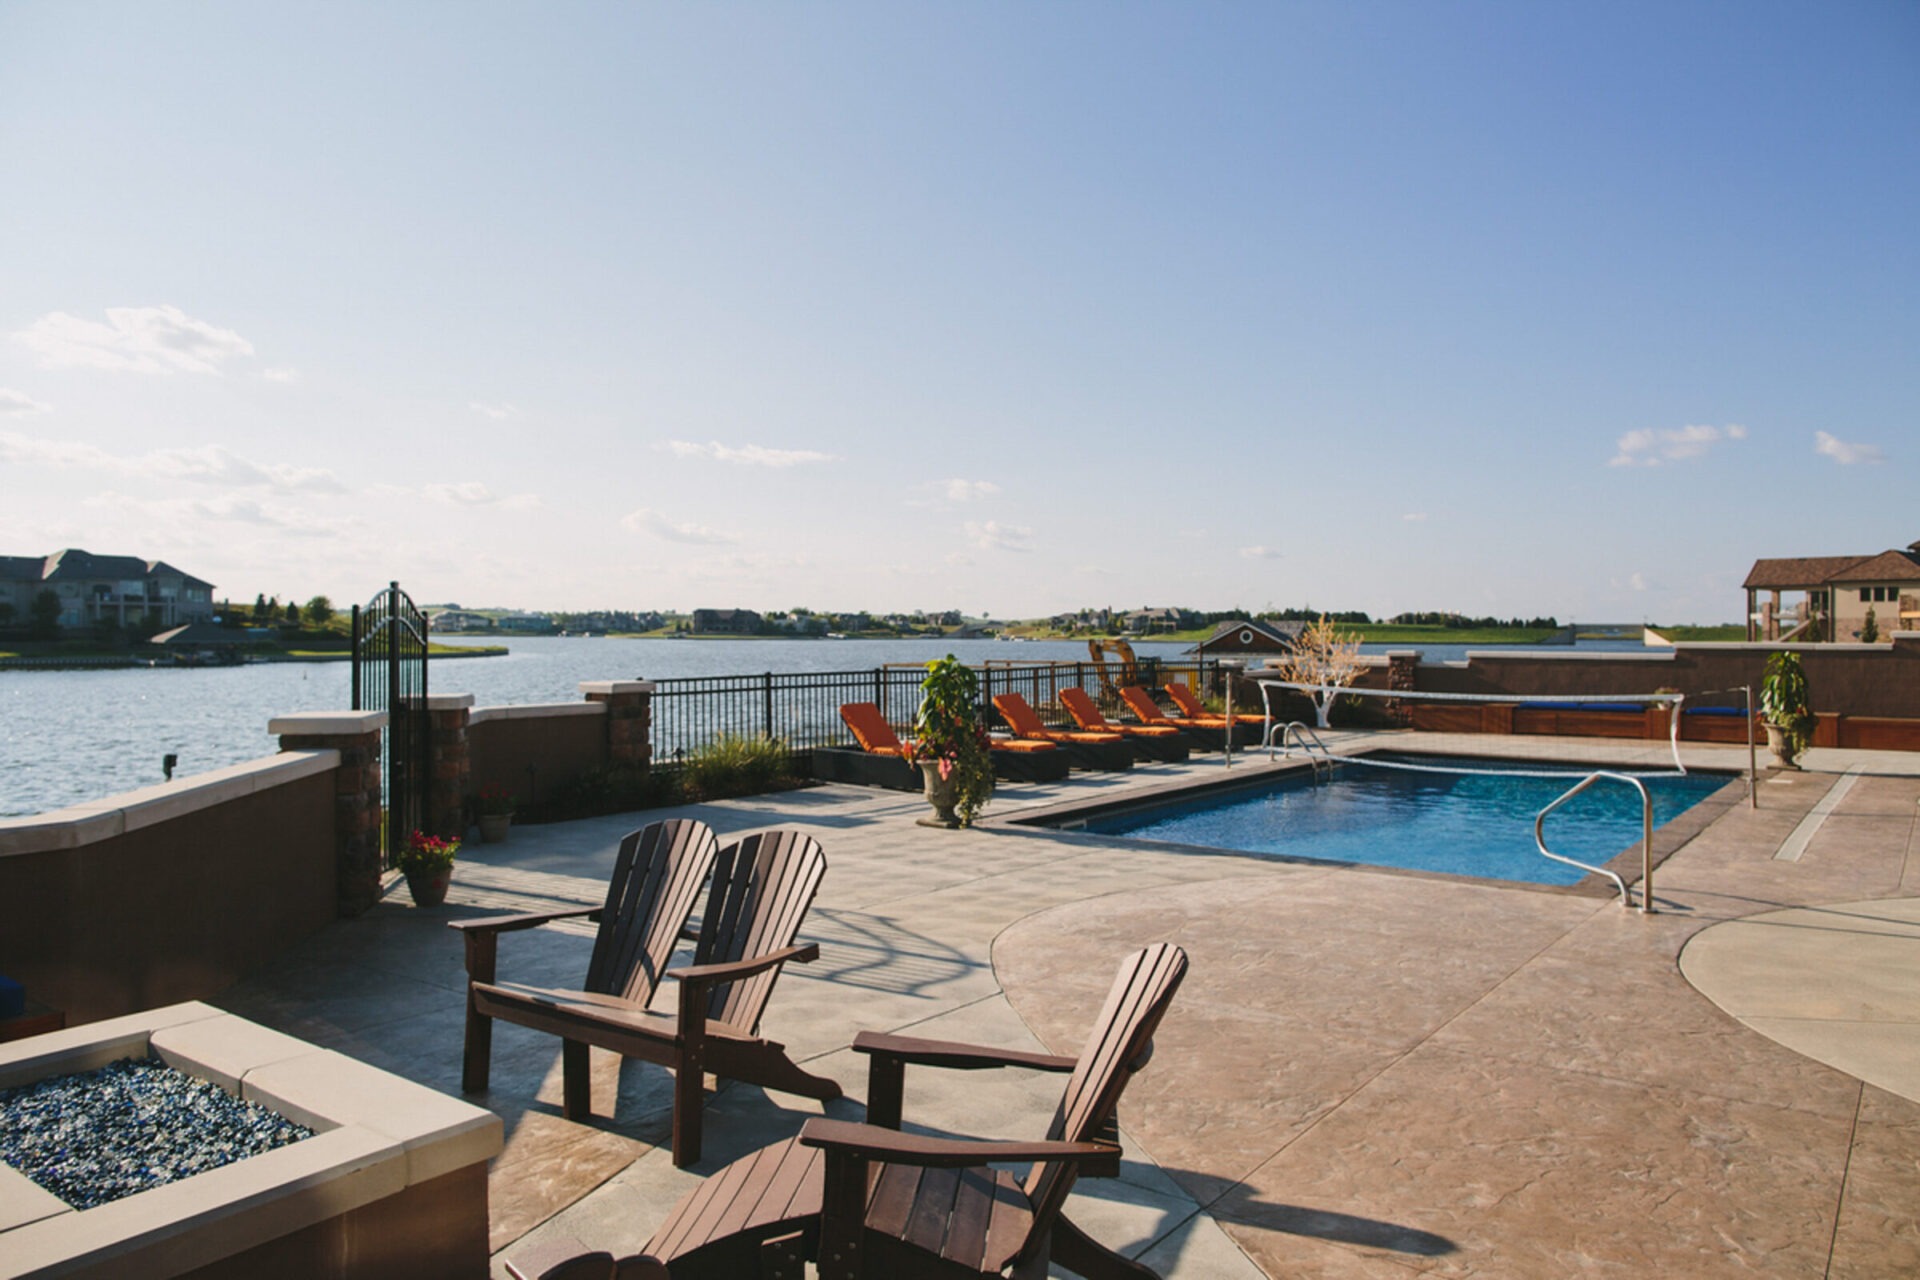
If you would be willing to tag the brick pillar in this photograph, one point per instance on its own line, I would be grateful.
(1403, 672)
(629, 720)
(356, 795)
(450, 763)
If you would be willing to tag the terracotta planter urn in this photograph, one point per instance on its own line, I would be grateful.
(494, 826)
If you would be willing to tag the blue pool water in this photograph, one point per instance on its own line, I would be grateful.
(1474, 824)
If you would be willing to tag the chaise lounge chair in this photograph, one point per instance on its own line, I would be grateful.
(1209, 733)
(1089, 750)
(762, 885)
(866, 1201)
(1156, 742)
(1187, 706)
(1014, 759)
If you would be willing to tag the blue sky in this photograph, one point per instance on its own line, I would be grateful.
(1510, 308)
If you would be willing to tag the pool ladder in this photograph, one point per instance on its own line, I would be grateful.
(1296, 732)
(1646, 838)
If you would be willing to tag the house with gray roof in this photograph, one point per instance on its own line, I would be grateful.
(123, 590)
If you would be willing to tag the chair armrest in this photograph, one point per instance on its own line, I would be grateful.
(871, 1142)
(954, 1054)
(531, 920)
(732, 970)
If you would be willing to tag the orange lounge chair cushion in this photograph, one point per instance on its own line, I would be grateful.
(1192, 708)
(1025, 722)
(1141, 703)
(1086, 714)
(871, 730)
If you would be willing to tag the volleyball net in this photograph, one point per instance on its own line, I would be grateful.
(1323, 694)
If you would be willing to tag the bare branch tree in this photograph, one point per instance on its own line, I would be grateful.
(1324, 658)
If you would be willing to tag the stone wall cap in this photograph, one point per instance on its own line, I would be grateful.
(345, 724)
(616, 686)
(449, 701)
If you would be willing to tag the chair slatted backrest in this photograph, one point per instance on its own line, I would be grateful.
(763, 884)
(657, 877)
(870, 728)
(1084, 712)
(1119, 1045)
(1020, 717)
(1144, 708)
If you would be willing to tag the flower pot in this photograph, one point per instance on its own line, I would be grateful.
(429, 888)
(942, 794)
(493, 827)
(1780, 742)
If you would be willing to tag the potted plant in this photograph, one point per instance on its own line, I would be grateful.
(1785, 707)
(495, 806)
(950, 744)
(428, 864)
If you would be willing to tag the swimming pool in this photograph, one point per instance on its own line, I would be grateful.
(1474, 824)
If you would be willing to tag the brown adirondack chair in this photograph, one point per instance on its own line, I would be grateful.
(761, 888)
(868, 1201)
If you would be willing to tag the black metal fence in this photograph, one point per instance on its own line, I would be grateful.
(803, 709)
(390, 675)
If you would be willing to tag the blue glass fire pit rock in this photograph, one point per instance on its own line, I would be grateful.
(96, 1136)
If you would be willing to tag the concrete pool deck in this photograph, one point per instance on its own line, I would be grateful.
(1368, 1073)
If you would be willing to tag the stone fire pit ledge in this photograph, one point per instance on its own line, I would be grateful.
(393, 1182)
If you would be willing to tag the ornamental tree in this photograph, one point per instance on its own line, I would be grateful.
(1324, 658)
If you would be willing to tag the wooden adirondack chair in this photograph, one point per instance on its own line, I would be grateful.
(762, 886)
(867, 1201)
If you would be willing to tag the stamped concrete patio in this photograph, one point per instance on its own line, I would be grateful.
(1367, 1073)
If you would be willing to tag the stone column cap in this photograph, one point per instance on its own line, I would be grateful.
(449, 701)
(1404, 653)
(341, 724)
(616, 686)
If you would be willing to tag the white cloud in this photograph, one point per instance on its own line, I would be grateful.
(751, 455)
(991, 535)
(208, 464)
(645, 520)
(969, 490)
(1649, 446)
(1638, 582)
(280, 374)
(1262, 553)
(12, 402)
(162, 340)
(471, 493)
(494, 411)
(1844, 453)
(1415, 517)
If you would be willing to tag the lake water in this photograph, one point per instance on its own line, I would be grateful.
(67, 737)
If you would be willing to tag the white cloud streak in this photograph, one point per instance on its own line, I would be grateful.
(1651, 447)
(159, 340)
(991, 535)
(645, 520)
(970, 490)
(209, 464)
(751, 455)
(1845, 454)
(19, 402)
(497, 412)
(1262, 553)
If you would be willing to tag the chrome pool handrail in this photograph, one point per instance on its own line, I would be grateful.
(1646, 838)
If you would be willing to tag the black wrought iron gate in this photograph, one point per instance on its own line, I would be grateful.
(390, 675)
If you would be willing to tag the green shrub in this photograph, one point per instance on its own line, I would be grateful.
(736, 766)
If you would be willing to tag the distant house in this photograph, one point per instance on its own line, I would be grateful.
(524, 623)
(1147, 621)
(122, 590)
(735, 622)
(1836, 593)
(455, 619)
(1249, 636)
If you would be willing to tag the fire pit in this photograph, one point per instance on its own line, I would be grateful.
(392, 1180)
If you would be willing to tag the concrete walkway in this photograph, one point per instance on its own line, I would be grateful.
(1367, 1073)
